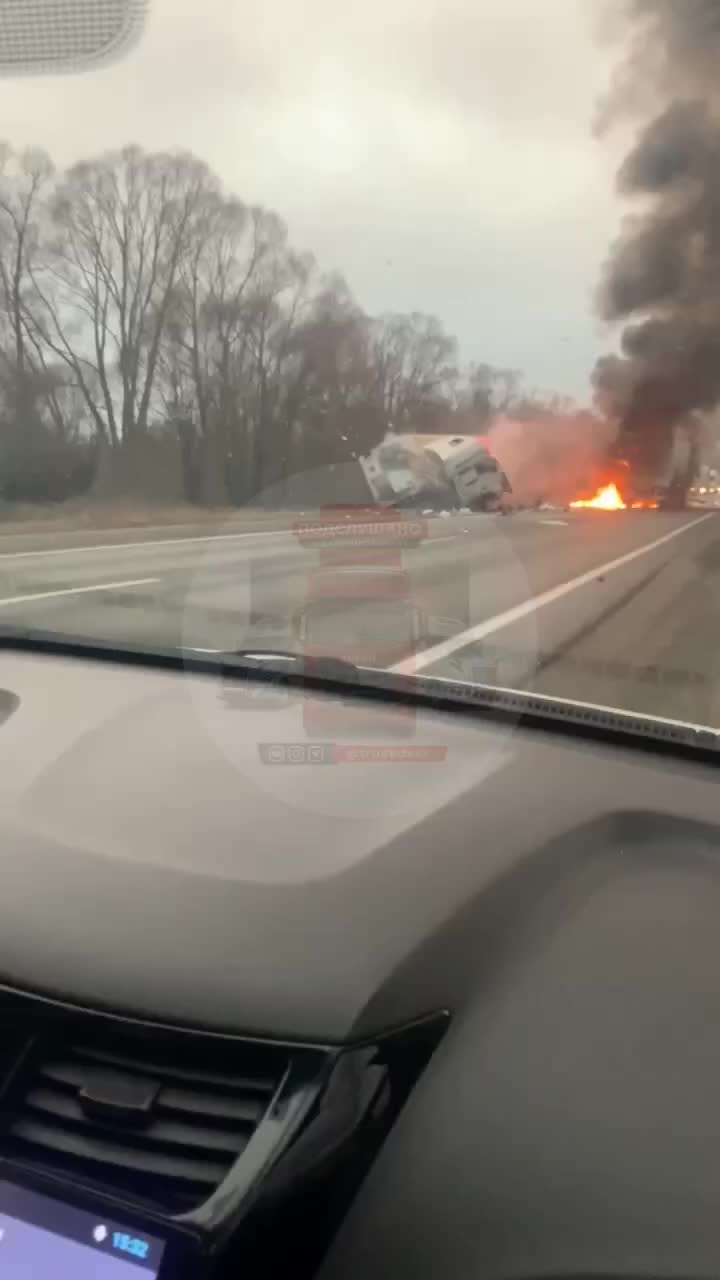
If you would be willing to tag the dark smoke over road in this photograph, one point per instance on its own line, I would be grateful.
(662, 280)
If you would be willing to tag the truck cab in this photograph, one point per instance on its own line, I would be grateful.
(474, 475)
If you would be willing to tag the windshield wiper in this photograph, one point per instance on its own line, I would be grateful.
(259, 661)
(516, 707)
(324, 666)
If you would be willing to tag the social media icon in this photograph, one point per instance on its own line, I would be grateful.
(276, 755)
(100, 1234)
(296, 755)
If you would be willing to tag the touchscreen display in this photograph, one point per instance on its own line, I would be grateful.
(44, 1239)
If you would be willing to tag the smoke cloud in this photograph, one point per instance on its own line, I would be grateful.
(662, 280)
(551, 457)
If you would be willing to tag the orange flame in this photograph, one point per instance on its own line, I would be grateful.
(607, 498)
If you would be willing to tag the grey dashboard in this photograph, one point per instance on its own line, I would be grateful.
(569, 1124)
(560, 898)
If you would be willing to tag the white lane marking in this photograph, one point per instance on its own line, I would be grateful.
(75, 591)
(126, 546)
(409, 666)
(563, 522)
(177, 542)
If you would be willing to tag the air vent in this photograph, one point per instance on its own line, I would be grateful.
(156, 1120)
(12, 1045)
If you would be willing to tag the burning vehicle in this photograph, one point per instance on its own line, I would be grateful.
(641, 480)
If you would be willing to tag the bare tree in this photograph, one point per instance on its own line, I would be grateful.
(123, 226)
(415, 371)
(147, 315)
(490, 390)
(228, 288)
(25, 182)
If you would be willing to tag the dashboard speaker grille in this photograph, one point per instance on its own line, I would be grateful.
(161, 1121)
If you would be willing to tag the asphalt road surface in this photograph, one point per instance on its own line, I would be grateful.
(616, 608)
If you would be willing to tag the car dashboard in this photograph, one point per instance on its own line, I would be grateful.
(441, 997)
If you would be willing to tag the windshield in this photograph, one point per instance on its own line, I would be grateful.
(366, 630)
(415, 294)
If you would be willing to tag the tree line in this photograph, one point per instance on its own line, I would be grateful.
(161, 338)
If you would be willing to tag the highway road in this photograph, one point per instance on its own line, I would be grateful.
(616, 608)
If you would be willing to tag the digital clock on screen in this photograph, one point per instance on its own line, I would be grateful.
(133, 1245)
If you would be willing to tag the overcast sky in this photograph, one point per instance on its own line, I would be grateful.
(438, 152)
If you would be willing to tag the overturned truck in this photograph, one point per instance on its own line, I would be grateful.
(420, 472)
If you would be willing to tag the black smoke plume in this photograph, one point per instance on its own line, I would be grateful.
(662, 280)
